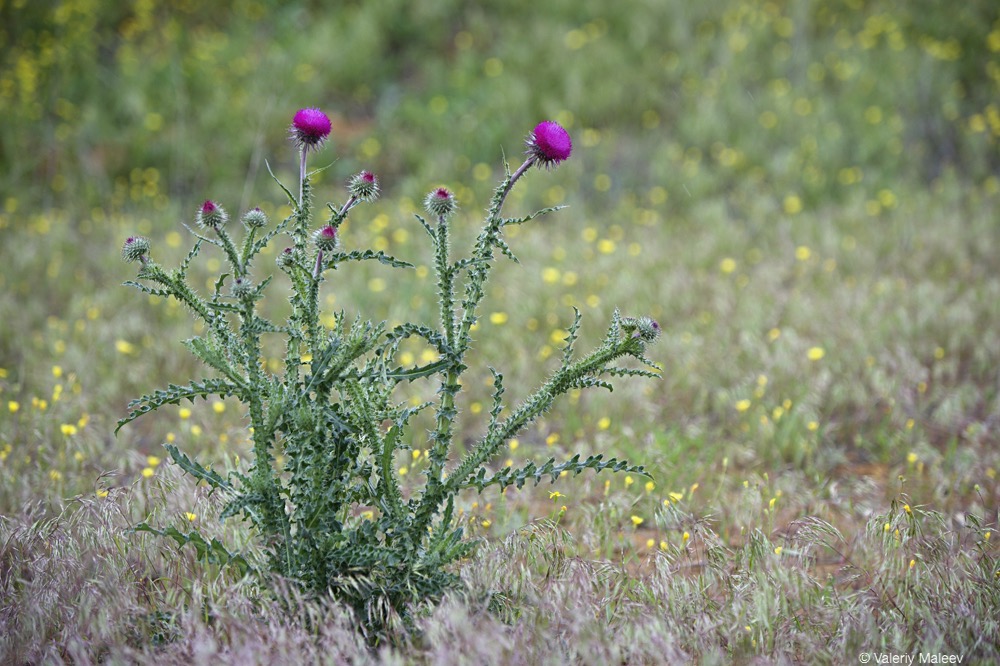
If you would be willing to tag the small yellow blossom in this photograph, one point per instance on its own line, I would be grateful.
(416, 453)
(403, 471)
(147, 472)
(913, 563)
(124, 347)
(55, 475)
(636, 520)
(650, 486)
(13, 406)
(650, 543)
(190, 516)
(686, 537)
(101, 492)
(604, 423)
(68, 429)
(815, 353)
(152, 461)
(677, 497)
(555, 495)
(486, 523)
(777, 551)
(629, 480)
(219, 407)
(742, 405)
(184, 413)
(727, 265)
(907, 509)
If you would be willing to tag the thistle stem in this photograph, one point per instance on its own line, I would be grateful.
(302, 173)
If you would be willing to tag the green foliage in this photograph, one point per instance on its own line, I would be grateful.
(333, 416)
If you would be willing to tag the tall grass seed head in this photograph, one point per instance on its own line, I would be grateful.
(254, 218)
(242, 287)
(363, 186)
(549, 144)
(326, 238)
(440, 202)
(211, 215)
(135, 248)
(310, 129)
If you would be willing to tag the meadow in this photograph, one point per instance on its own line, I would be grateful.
(804, 194)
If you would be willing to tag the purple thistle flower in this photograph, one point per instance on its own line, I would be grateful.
(326, 239)
(211, 215)
(310, 129)
(440, 202)
(549, 144)
(363, 186)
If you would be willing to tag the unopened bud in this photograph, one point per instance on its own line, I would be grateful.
(242, 287)
(135, 249)
(211, 215)
(363, 186)
(440, 202)
(326, 239)
(254, 219)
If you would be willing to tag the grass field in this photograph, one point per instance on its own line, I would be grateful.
(805, 195)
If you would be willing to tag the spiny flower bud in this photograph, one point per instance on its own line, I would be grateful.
(440, 202)
(326, 239)
(254, 219)
(363, 186)
(285, 258)
(135, 249)
(645, 328)
(549, 144)
(242, 287)
(310, 128)
(211, 215)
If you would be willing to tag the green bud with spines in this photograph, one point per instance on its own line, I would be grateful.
(254, 218)
(211, 215)
(363, 186)
(242, 287)
(285, 258)
(135, 249)
(440, 202)
(326, 239)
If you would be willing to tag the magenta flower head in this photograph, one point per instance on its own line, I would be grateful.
(440, 202)
(135, 249)
(310, 128)
(326, 239)
(549, 144)
(363, 186)
(211, 215)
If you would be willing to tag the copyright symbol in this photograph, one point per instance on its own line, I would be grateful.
(864, 657)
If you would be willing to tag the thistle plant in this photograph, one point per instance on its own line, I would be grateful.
(335, 518)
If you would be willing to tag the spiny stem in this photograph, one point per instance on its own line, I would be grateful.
(302, 173)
